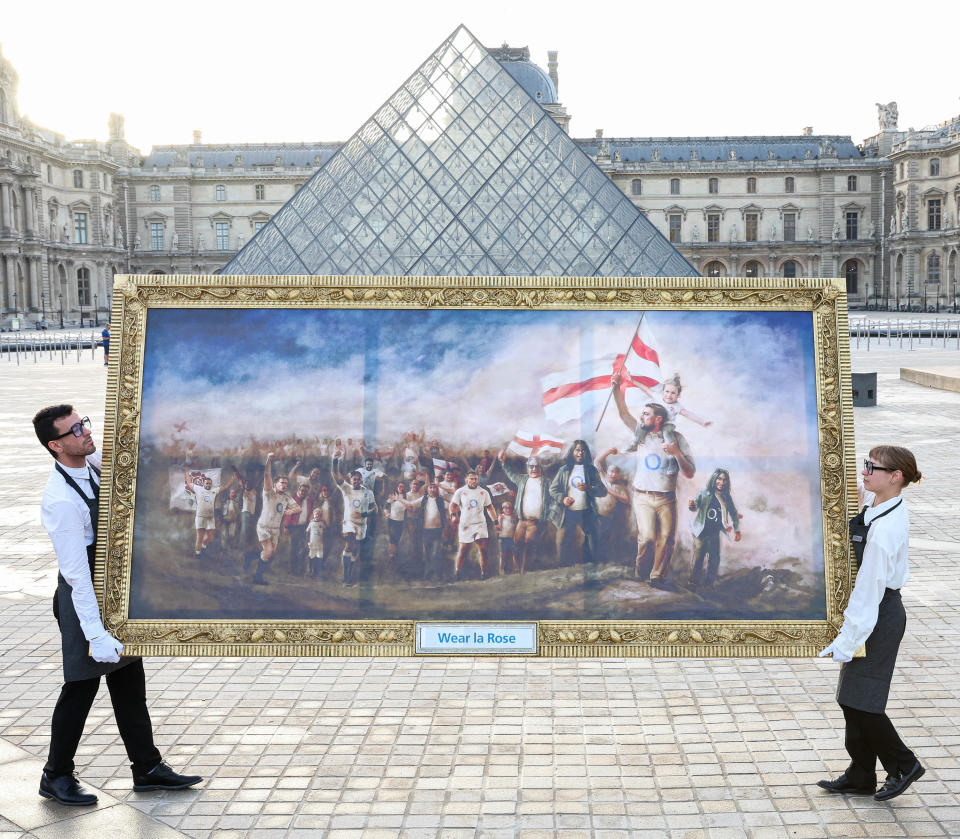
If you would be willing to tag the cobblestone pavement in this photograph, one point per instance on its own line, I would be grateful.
(460, 747)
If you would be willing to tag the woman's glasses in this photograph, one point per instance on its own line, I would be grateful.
(869, 466)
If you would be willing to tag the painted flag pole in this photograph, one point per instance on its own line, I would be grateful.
(622, 365)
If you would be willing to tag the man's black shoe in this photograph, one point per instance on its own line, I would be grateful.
(844, 785)
(65, 789)
(163, 777)
(897, 784)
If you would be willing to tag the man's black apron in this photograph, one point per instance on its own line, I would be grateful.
(77, 663)
(864, 683)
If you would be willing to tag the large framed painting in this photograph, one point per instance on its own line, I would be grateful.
(401, 466)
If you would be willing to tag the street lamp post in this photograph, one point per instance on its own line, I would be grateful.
(16, 309)
(61, 310)
(43, 307)
(96, 311)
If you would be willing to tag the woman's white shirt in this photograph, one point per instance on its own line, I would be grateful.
(885, 565)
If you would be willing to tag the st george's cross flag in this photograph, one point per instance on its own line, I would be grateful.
(569, 395)
(531, 444)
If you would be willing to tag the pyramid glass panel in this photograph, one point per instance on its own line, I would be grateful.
(460, 172)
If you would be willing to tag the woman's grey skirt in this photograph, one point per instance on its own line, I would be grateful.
(865, 682)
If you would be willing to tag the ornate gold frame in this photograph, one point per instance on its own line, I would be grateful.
(135, 294)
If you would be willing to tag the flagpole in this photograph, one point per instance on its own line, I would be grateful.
(622, 365)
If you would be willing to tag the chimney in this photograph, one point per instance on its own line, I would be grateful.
(552, 70)
(196, 137)
(808, 131)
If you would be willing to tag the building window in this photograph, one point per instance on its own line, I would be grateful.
(155, 193)
(259, 192)
(258, 226)
(713, 227)
(789, 185)
(223, 235)
(852, 216)
(221, 192)
(789, 227)
(636, 187)
(901, 171)
(83, 286)
(80, 228)
(933, 268)
(851, 183)
(106, 183)
(714, 269)
(674, 186)
(752, 269)
(156, 235)
(78, 178)
(49, 174)
(934, 166)
(933, 214)
(713, 186)
(789, 268)
(751, 184)
(752, 224)
(851, 270)
(674, 220)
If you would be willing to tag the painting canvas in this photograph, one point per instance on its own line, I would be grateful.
(320, 468)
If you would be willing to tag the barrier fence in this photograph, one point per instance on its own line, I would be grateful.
(24, 347)
(906, 334)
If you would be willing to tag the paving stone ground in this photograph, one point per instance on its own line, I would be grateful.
(459, 747)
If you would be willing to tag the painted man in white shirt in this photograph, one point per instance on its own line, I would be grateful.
(654, 494)
(205, 495)
(69, 513)
(472, 504)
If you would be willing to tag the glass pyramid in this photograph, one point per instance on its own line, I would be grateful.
(460, 173)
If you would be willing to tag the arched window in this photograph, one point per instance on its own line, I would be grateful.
(155, 193)
(636, 187)
(221, 192)
(78, 178)
(751, 184)
(83, 286)
(753, 269)
(851, 270)
(933, 268)
(714, 186)
(789, 268)
(713, 269)
(259, 192)
(934, 166)
(788, 185)
(674, 186)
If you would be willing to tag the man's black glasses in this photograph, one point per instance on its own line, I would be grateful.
(869, 466)
(76, 429)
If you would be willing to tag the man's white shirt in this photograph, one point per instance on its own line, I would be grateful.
(67, 519)
(884, 566)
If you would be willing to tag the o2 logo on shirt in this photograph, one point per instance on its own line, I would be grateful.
(653, 462)
(356, 503)
(281, 507)
(579, 484)
(473, 504)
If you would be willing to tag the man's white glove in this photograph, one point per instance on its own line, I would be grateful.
(105, 648)
(838, 656)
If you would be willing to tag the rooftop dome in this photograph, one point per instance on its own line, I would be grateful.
(516, 61)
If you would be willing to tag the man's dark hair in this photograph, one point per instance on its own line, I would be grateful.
(43, 424)
(660, 411)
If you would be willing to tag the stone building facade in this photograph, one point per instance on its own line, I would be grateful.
(883, 214)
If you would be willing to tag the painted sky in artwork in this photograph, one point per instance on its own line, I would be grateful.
(464, 376)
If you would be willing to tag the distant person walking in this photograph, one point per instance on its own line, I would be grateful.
(105, 338)
(875, 615)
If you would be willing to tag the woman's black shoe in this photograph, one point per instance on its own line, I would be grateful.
(844, 785)
(65, 789)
